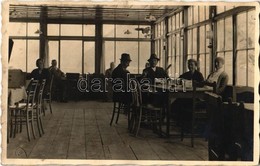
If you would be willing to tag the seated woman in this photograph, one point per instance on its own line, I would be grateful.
(181, 108)
(219, 77)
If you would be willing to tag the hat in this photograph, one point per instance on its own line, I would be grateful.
(153, 56)
(125, 57)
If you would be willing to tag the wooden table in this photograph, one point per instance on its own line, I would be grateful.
(15, 95)
(173, 93)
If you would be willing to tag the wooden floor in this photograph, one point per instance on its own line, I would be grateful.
(80, 130)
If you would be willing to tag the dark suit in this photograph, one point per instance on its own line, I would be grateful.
(119, 73)
(181, 108)
(151, 74)
(196, 76)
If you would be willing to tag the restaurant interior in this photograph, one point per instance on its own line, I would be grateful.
(75, 116)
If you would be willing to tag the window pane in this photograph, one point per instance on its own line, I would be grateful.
(220, 54)
(121, 31)
(201, 13)
(251, 29)
(190, 42)
(162, 28)
(109, 53)
(251, 65)
(178, 44)
(241, 68)
(228, 66)
(195, 16)
(241, 30)
(132, 49)
(17, 29)
(89, 30)
(202, 39)
(108, 30)
(201, 64)
(207, 65)
(32, 28)
(177, 21)
(145, 52)
(194, 50)
(53, 51)
(71, 56)
(207, 12)
(71, 30)
(220, 35)
(190, 15)
(177, 67)
(173, 23)
(181, 21)
(33, 54)
(228, 34)
(53, 29)
(207, 40)
(18, 56)
(220, 9)
(89, 57)
(170, 24)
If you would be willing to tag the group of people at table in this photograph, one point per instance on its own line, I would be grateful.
(217, 78)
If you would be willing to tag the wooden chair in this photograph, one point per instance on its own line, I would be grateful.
(144, 113)
(118, 107)
(244, 93)
(233, 127)
(198, 113)
(47, 98)
(214, 130)
(38, 111)
(22, 113)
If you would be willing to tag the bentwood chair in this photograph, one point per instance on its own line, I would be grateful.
(47, 97)
(38, 111)
(144, 112)
(214, 130)
(22, 113)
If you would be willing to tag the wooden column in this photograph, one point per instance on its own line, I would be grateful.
(234, 22)
(185, 39)
(152, 38)
(43, 33)
(213, 28)
(98, 40)
(166, 46)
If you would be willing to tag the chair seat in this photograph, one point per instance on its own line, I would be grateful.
(22, 106)
(150, 107)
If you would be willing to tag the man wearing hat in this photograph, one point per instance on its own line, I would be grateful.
(153, 71)
(120, 72)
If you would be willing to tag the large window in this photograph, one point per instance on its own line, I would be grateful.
(71, 56)
(116, 42)
(225, 44)
(245, 48)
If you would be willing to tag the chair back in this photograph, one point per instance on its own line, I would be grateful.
(245, 94)
(31, 93)
(136, 93)
(40, 93)
(213, 106)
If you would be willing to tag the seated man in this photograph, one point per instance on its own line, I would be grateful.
(181, 108)
(219, 77)
(58, 80)
(153, 71)
(121, 73)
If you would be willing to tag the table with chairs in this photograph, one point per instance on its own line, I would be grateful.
(26, 109)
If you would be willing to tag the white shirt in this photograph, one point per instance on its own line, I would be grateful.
(213, 77)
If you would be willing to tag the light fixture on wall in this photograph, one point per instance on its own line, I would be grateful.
(150, 18)
(127, 32)
(38, 31)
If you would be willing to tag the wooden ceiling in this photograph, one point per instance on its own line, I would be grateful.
(85, 14)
